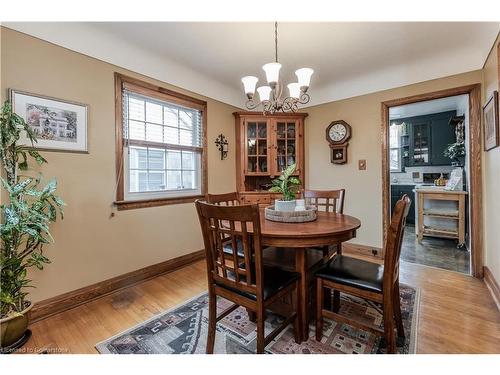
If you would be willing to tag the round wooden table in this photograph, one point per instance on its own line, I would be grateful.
(329, 229)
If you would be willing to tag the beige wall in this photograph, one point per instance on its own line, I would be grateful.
(363, 188)
(491, 176)
(91, 247)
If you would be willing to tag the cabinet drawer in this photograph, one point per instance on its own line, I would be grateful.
(258, 198)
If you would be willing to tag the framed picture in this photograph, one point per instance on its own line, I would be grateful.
(60, 125)
(490, 111)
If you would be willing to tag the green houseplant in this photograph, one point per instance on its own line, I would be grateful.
(28, 208)
(288, 186)
(456, 152)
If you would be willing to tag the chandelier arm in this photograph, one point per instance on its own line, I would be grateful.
(290, 105)
(267, 107)
(304, 98)
(252, 104)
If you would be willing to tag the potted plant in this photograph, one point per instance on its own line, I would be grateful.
(287, 185)
(456, 152)
(28, 210)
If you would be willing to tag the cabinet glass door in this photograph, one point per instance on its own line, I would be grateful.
(257, 147)
(286, 144)
(421, 142)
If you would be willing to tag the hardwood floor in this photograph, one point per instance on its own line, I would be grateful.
(457, 313)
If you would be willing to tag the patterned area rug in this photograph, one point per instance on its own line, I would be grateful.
(183, 330)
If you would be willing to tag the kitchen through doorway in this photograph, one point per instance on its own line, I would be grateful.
(428, 159)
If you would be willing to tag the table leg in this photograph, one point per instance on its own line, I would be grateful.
(301, 267)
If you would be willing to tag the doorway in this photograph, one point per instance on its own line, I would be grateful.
(431, 151)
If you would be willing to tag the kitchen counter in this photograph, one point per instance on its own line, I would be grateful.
(434, 189)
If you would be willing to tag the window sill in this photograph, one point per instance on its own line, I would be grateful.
(130, 205)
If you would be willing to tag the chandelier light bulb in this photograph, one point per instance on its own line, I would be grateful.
(264, 92)
(249, 83)
(294, 90)
(272, 72)
(304, 76)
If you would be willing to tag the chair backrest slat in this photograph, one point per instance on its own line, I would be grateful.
(234, 245)
(327, 200)
(223, 224)
(394, 241)
(226, 199)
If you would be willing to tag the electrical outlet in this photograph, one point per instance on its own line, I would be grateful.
(362, 165)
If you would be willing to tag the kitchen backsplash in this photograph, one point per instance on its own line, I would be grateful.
(414, 175)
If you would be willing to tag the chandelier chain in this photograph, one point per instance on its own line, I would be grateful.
(276, 40)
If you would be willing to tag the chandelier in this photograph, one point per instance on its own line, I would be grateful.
(271, 96)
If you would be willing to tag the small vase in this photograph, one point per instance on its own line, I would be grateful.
(300, 205)
(280, 205)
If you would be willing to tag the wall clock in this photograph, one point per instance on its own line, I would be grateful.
(337, 135)
(338, 132)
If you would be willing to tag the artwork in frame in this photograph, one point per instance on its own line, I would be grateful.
(60, 125)
(491, 131)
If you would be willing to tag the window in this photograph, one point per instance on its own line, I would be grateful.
(395, 147)
(161, 151)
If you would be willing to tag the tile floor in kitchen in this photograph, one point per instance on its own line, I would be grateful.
(436, 252)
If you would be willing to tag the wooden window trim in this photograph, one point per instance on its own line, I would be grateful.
(148, 89)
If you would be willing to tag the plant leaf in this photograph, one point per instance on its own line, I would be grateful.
(275, 189)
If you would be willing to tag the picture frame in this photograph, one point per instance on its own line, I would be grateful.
(490, 130)
(60, 125)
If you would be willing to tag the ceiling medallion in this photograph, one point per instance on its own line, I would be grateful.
(271, 95)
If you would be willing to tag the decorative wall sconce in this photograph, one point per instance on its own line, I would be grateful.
(221, 143)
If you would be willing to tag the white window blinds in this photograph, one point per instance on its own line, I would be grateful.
(163, 146)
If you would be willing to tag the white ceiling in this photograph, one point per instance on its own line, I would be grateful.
(349, 58)
(457, 103)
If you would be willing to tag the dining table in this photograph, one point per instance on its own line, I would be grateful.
(329, 228)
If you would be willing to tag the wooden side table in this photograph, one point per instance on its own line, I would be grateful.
(457, 214)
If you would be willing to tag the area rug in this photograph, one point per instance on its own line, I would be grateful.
(183, 330)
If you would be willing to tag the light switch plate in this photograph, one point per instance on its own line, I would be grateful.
(362, 165)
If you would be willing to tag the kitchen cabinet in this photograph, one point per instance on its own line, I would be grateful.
(425, 139)
(397, 191)
(420, 143)
(442, 134)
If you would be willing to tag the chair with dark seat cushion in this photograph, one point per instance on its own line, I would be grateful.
(227, 199)
(276, 280)
(327, 201)
(379, 283)
(353, 272)
(228, 248)
(247, 282)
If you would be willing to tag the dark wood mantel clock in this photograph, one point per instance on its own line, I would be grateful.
(337, 135)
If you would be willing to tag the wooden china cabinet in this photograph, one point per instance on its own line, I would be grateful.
(265, 145)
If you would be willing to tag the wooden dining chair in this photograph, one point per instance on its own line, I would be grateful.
(246, 283)
(329, 201)
(227, 199)
(326, 200)
(375, 282)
